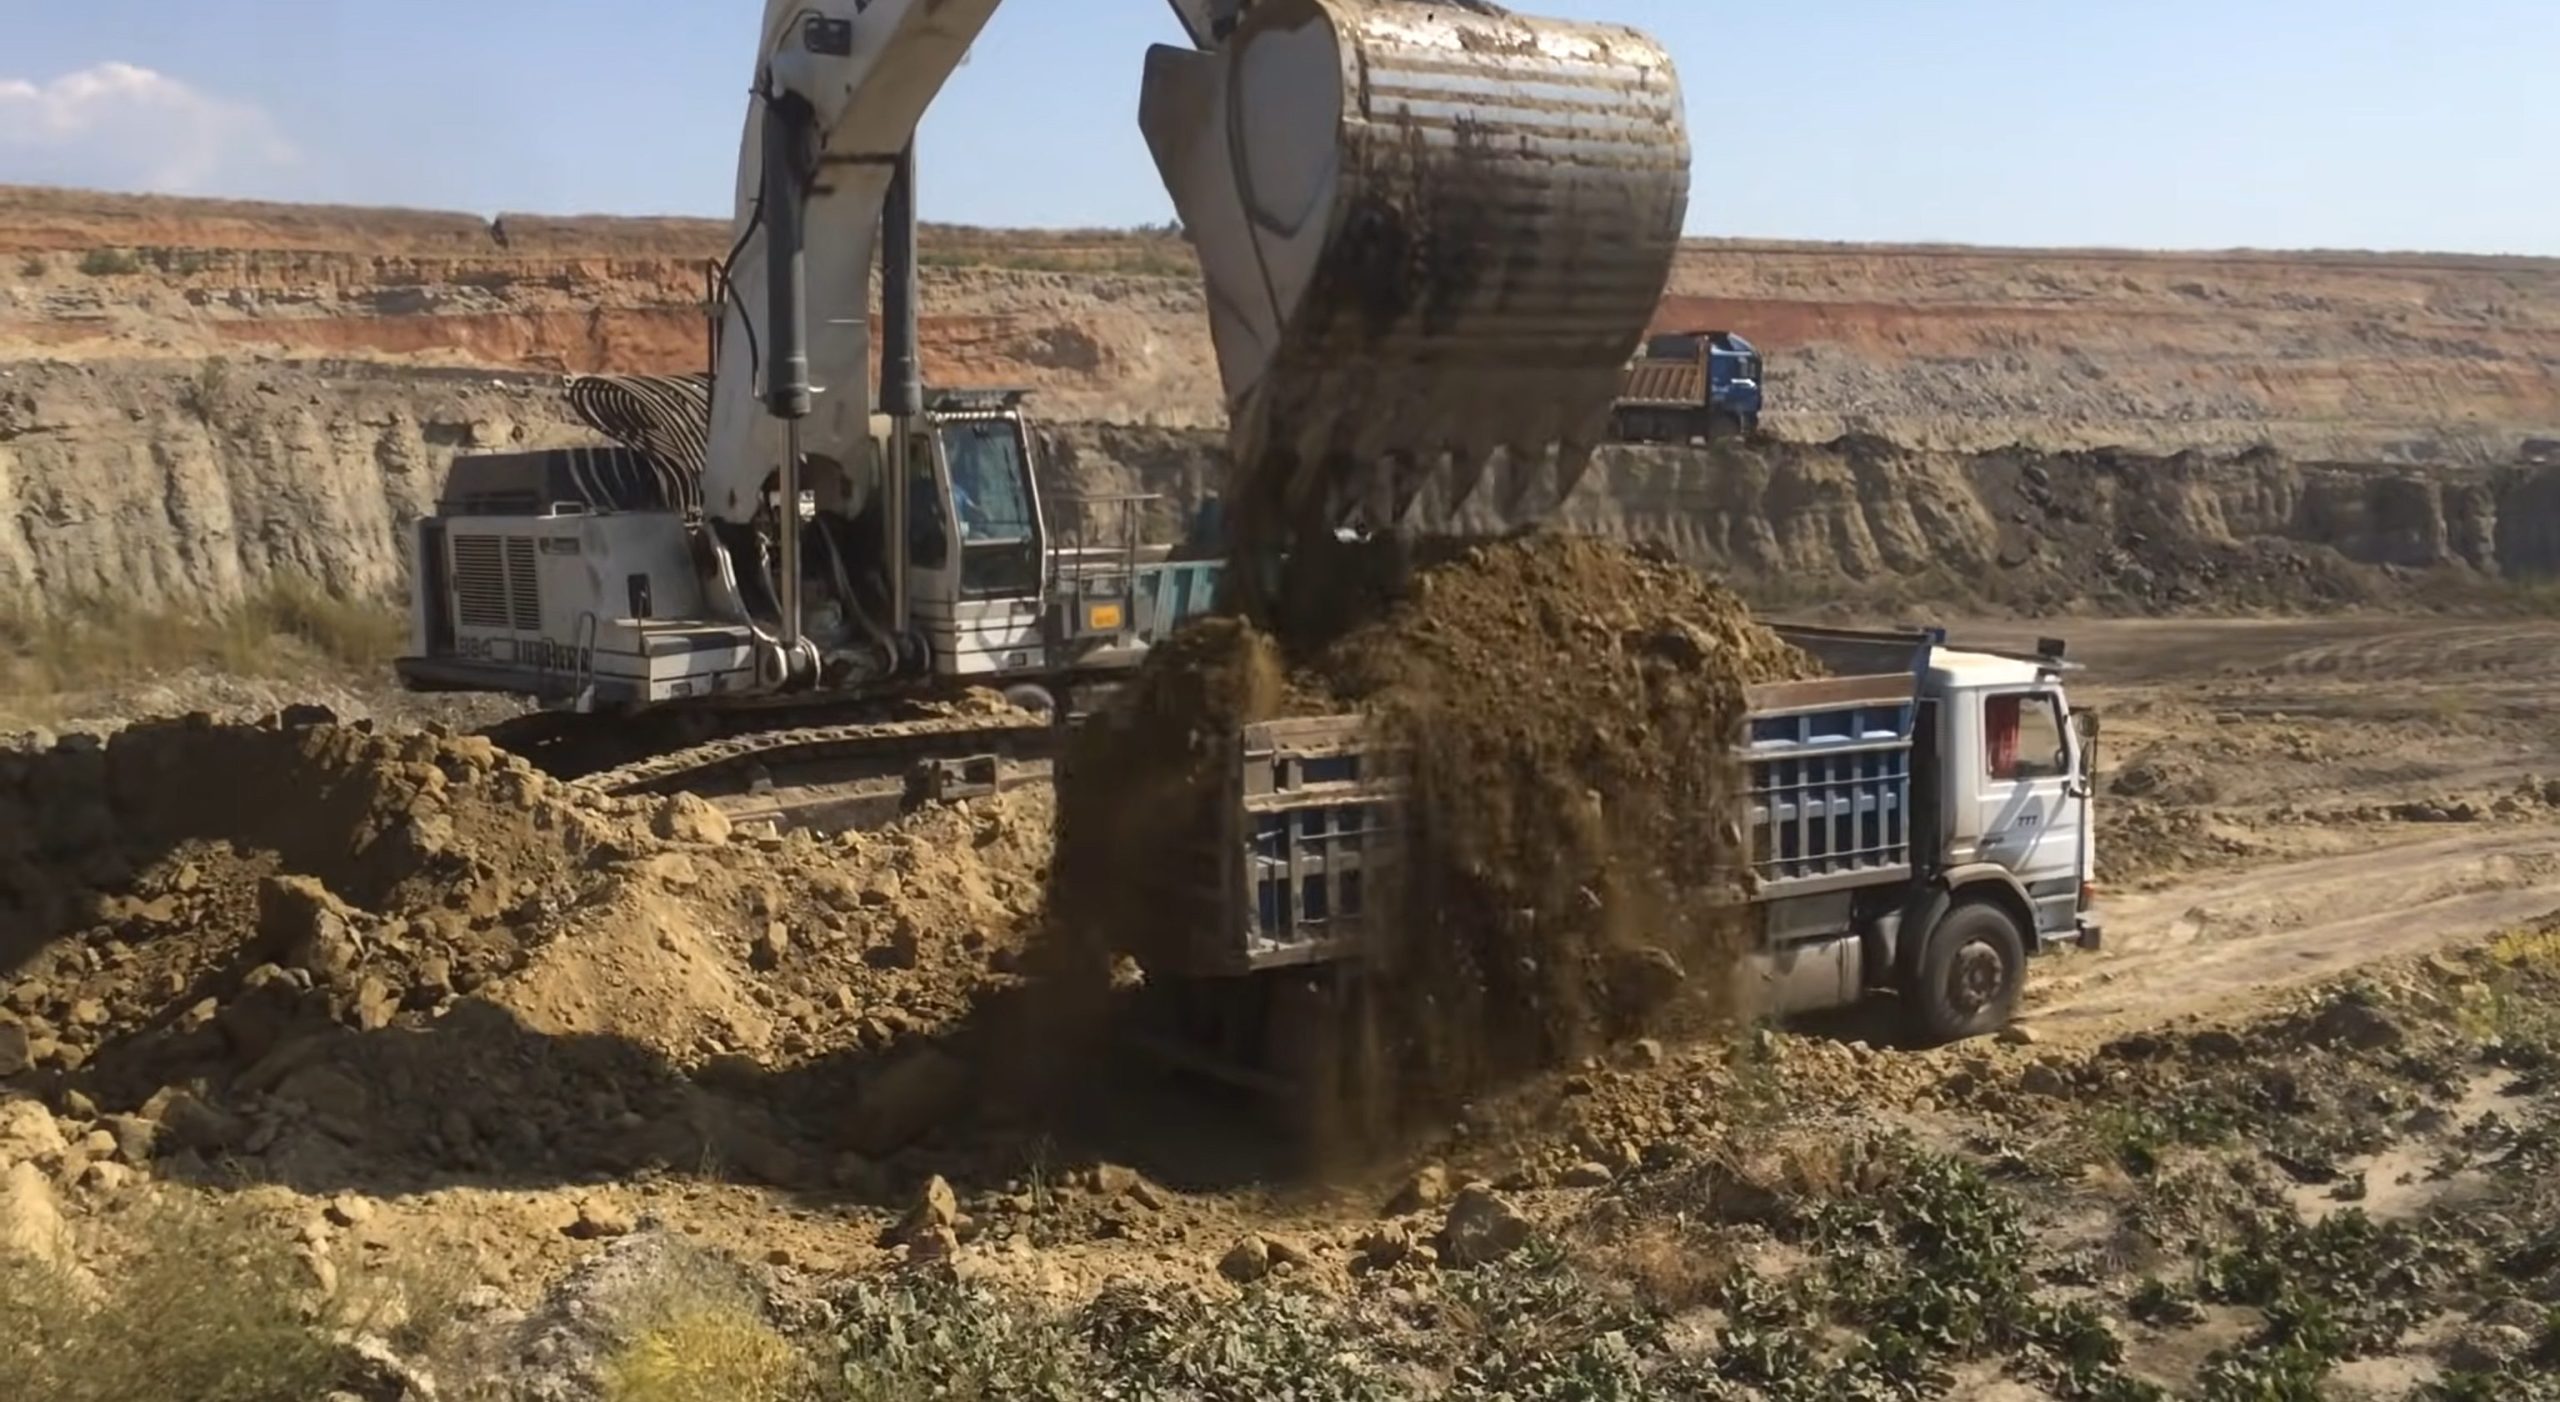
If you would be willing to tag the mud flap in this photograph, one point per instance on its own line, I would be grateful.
(1920, 920)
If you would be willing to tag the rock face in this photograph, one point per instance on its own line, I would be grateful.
(182, 486)
(155, 441)
(127, 479)
(2321, 354)
(1864, 518)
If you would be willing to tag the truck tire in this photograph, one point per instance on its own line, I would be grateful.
(1967, 979)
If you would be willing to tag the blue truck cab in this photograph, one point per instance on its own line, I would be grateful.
(1689, 385)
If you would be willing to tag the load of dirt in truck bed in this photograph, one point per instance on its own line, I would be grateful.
(1570, 708)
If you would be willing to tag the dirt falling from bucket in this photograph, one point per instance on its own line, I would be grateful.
(1569, 709)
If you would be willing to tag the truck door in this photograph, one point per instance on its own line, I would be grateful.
(2027, 816)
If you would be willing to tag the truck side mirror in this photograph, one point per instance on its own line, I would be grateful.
(2084, 724)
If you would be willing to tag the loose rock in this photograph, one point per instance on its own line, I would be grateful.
(1247, 1261)
(1481, 1228)
(30, 1216)
(691, 818)
(28, 1132)
(1426, 1189)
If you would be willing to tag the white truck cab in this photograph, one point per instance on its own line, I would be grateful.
(2013, 781)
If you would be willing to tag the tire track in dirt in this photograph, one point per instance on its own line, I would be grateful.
(2209, 945)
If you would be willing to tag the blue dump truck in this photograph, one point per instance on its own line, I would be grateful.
(1687, 386)
(1918, 824)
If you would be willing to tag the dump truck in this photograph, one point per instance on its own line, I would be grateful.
(1918, 824)
(1687, 386)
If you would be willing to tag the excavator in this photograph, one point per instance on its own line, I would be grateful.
(1431, 233)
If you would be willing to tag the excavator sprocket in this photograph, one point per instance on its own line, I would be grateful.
(1432, 236)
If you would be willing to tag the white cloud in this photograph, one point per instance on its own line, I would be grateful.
(118, 125)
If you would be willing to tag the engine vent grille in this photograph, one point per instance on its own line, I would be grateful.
(496, 583)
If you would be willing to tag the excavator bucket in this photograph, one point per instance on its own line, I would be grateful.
(1432, 234)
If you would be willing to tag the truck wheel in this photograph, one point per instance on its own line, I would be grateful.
(1967, 981)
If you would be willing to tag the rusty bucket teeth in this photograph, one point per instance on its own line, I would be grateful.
(1430, 235)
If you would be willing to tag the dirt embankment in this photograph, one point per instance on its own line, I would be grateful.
(193, 489)
(190, 490)
(2329, 355)
(329, 955)
(2362, 356)
(1108, 327)
(1863, 521)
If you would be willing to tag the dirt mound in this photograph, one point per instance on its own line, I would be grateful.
(1569, 709)
(342, 955)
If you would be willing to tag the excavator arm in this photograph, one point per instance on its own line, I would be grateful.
(1431, 234)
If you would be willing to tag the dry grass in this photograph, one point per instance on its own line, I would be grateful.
(1668, 1269)
(2513, 1005)
(199, 1300)
(287, 628)
(710, 1353)
(699, 1337)
(2535, 949)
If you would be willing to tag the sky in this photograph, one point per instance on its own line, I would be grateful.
(2161, 124)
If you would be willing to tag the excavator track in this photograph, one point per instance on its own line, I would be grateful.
(829, 777)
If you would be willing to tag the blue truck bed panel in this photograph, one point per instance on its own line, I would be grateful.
(1170, 593)
(1829, 786)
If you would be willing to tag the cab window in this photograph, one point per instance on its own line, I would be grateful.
(990, 487)
(2023, 736)
(992, 504)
